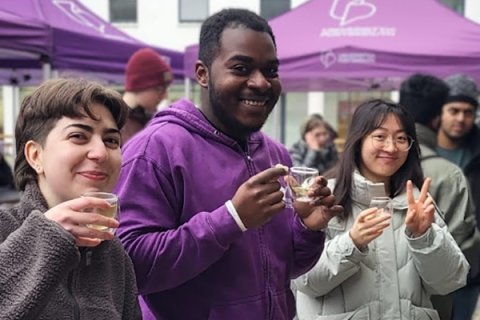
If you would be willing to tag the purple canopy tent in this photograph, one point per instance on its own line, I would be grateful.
(22, 43)
(341, 45)
(73, 41)
(21, 36)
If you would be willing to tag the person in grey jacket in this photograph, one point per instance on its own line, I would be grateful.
(424, 96)
(377, 264)
(315, 149)
(52, 266)
(459, 142)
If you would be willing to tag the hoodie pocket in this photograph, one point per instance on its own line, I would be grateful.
(281, 307)
(253, 309)
(360, 314)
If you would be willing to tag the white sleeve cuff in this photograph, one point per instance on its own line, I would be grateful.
(233, 212)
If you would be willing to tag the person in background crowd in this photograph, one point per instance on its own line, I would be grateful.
(332, 133)
(459, 142)
(381, 265)
(315, 149)
(52, 266)
(6, 174)
(424, 96)
(204, 218)
(147, 78)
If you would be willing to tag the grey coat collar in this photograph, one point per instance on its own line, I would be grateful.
(426, 136)
(364, 190)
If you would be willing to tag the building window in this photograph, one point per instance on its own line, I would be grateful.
(270, 9)
(123, 11)
(457, 5)
(192, 10)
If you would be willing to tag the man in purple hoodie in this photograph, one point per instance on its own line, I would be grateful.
(204, 215)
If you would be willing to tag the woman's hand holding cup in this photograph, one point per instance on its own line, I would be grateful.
(71, 216)
(368, 226)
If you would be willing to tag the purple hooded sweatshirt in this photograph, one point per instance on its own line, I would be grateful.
(192, 261)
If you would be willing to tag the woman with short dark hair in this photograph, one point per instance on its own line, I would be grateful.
(52, 266)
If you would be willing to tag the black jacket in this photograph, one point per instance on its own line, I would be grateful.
(6, 175)
(472, 169)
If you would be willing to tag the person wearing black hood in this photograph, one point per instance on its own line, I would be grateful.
(424, 96)
(459, 142)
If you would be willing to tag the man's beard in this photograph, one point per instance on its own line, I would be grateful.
(454, 138)
(232, 124)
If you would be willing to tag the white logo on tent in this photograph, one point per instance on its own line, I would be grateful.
(349, 11)
(354, 10)
(329, 58)
(74, 12)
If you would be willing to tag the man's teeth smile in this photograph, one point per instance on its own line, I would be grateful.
(255, 103)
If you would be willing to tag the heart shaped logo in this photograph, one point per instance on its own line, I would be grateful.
(328, 59)
(353, 10)
(357, 10)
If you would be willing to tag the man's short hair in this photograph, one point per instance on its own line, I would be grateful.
(213, 27)
(424, 96)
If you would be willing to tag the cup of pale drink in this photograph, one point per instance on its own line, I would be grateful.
(301, 180)
(383, 204)
(111, 212)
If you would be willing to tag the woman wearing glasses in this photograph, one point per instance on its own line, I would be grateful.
(380, 265)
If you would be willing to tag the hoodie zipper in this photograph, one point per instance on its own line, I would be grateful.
(264, 251)
(76, 308)
(87, 253)
(249, 160)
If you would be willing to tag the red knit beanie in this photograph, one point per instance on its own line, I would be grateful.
(147, 69)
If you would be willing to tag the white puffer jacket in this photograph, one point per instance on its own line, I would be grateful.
(392, 279)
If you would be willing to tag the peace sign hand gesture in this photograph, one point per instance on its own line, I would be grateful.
(421, 212)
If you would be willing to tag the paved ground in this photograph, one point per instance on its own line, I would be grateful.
(476, 315)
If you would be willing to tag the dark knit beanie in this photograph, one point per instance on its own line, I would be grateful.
(146, 69)
(462, 89)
